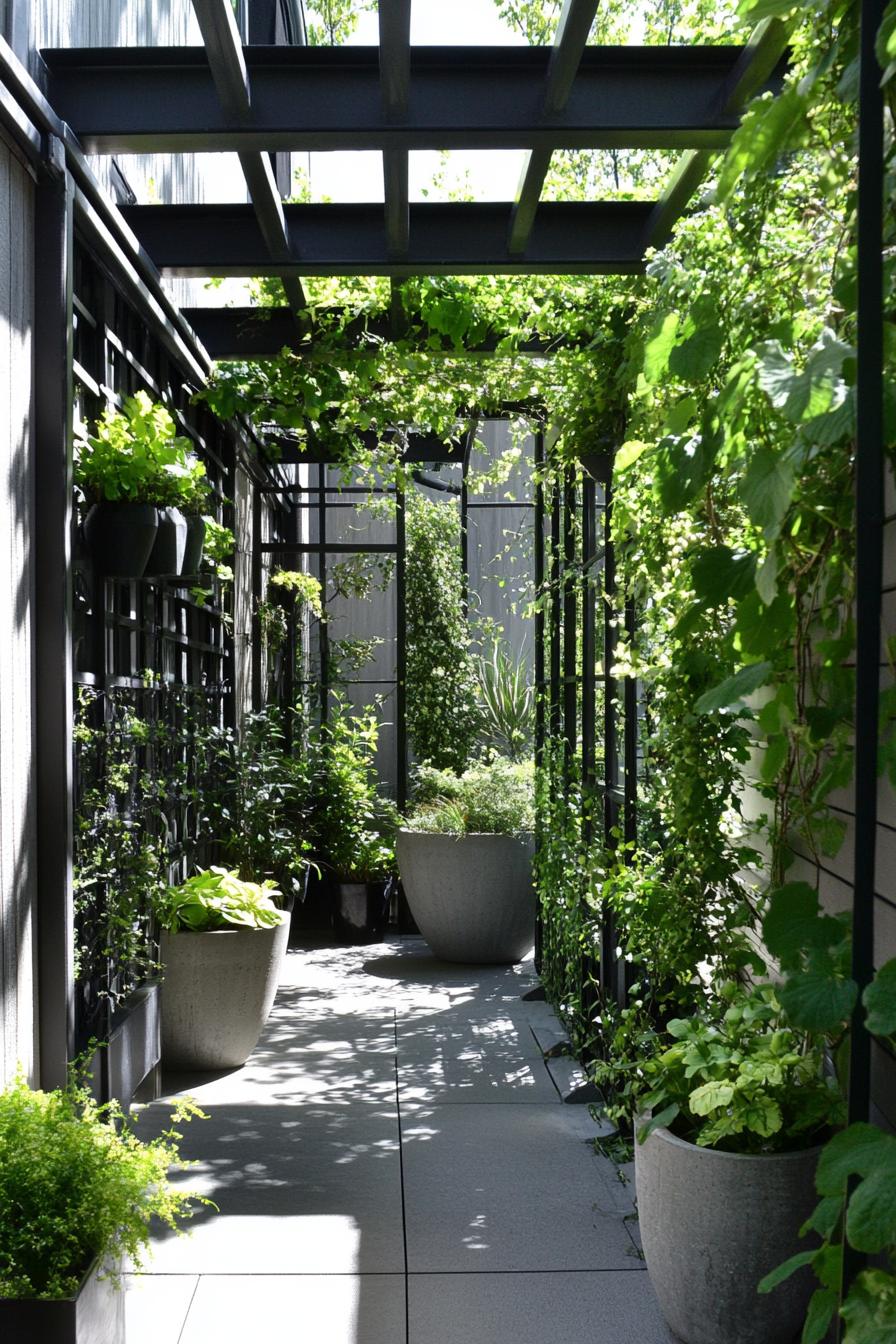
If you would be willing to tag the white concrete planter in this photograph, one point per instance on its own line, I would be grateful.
(217, 991)
(712, 1225)
(471, 895)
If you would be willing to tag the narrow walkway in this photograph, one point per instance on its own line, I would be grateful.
(394, 1165)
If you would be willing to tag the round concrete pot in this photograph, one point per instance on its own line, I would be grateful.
(217, 992)
(712, 1225)
(471, 895)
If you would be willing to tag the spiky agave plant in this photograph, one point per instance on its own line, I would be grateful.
(507, 703)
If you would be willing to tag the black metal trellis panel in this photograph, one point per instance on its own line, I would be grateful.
(150, 652)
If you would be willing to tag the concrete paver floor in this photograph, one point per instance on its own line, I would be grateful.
(394, 1165)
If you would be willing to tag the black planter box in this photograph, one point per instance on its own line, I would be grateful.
(94, 1316)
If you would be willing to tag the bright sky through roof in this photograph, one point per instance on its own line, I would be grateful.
(492, 174)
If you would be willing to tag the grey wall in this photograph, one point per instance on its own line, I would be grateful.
(17, 853)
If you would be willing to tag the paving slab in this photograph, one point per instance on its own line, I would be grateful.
(510, 1187)
(292, 1078)
(475, 1076)
(156, 1306)
(450, 1035)
(587, 1308)
(300, 1308)
(299, 1190)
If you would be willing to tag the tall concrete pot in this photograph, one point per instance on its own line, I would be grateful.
(217, 992)
(471, 895)
(713, 1224)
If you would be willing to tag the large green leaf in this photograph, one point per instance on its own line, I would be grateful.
(734, 689)
(794, 922)
(659, 346)
(767, 489)
(718, 573)
(768, 128)
(822, 1306)
(853, 1152)
(693, 358)
(880, 1000)
(817, 1000)
(871, 1212)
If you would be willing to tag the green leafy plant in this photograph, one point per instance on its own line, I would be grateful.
(443, 722)
(136, 455)
(747, 1082)
(256, 801)
(352, 826)
(305, 587)
(506, 703)
(490, 797)
(77, 1185)
(215, 899)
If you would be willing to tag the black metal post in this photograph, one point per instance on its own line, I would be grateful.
(630, 740)
(538, 546)
(554, 580)
(257, 689)
(609, 966)
(401, 670)
(54, 704)
(323, 634)
(570, 612)
(869, 494)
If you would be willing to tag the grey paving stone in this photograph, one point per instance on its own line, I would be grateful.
(477, 1076)
(450, 1035)
(311, 1189)
(300, 1308)
(293, 1077)
(585, 1308)
(156, 1306)
(510, 1187)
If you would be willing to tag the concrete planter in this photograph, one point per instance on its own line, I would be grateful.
(712, 1225)
(217, 991)
(95, 1315)
(471, 895)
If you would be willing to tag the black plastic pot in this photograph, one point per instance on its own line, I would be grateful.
(167, 557)
(360, 910)
(195, 542)
(94, 1315)
(121, 536)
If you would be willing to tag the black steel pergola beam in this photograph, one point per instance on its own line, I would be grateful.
(570, 41)
(227, 65)
(260, 333)
(758, 64)
(456, 238)
(395, 83)
(164, 99)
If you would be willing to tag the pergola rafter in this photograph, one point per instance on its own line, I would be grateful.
(220, 34)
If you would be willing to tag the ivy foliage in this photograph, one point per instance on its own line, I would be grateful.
(442, 713)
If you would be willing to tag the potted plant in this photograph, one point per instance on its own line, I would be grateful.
(465, 859)
(352, 826)
(739, 1107)
(128, 470)
(78, 1190)
(222, 947)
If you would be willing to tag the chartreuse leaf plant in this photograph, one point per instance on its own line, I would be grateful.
(745, 1082)
(77, 1185)
(214, 899)
(136, 455)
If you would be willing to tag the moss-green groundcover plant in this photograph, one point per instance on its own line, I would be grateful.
(77, 1185)
(490, 798)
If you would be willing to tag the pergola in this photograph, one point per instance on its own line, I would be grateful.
(259, 101)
